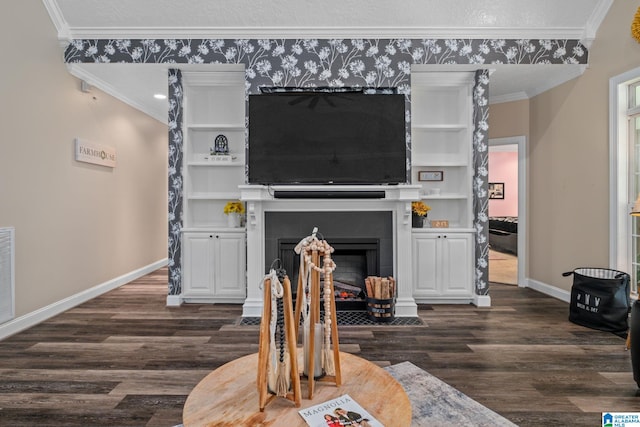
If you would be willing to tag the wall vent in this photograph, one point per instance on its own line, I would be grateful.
(7, 278)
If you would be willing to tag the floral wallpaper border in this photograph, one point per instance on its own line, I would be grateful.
(334, 63)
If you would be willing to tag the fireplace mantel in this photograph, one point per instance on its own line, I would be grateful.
(314, 198)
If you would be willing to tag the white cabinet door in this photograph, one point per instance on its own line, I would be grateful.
(214, 266)
(230, 260)
(426, 266)
(442, 266)
(456, 264)
(197, 265)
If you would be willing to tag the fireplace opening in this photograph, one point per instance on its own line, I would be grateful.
(355, 258)
(362, 242)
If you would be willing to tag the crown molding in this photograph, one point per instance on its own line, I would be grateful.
(58, 19)
(594, 21)
(322, 32)
(81, 73)
(510, 97)
(569, 73)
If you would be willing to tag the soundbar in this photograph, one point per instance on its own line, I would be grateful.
(329, 194)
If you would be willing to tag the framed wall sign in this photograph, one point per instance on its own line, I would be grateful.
(496, 190)
(430, 175)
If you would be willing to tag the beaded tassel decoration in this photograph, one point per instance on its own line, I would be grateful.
(305, 248)
(284, 369)
(329, 266)
(277, 367)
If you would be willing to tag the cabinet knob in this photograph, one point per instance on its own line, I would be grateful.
(210, 236)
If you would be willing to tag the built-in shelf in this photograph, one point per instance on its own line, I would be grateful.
(440, 127)
(213, 261)
(441, 141)
(216, 126)
(214, 196)
(442, 164)
(216, 164)
(444, 196)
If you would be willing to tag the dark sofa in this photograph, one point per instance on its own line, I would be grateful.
(503, 234)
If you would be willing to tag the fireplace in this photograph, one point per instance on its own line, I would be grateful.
(355, 258)
(340, 212)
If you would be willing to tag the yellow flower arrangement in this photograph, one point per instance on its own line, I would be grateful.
(420, 208)
(234, 207)
(635, 26)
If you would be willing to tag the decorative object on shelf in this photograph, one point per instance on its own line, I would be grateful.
(496, 190)
(635, 26)
(419, 211)
(430, 175)
(439, 223)
(234, 210)
(221, 145)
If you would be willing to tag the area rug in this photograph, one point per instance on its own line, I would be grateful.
(435, 403)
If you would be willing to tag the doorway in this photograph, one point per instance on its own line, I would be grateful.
(507, 210)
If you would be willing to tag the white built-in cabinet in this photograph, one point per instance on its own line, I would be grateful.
(441, 145)
(442, 267)
(214, 255)
(214, 266)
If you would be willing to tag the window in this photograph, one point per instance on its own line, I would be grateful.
(624, 145)
(634, 95)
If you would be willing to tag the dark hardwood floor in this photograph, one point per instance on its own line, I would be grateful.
(125, 359)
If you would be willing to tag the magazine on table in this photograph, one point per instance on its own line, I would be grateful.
(338, 412)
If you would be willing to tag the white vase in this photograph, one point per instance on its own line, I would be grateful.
(233, 220)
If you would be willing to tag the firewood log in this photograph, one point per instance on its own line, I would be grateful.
(385, 289)
(392, 287)
(377, 288)
(369, 286)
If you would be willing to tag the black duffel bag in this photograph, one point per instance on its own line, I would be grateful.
(600, 299)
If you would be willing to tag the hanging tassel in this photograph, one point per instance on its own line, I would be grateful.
(272, 377)
(328, 362)
(329, 366)
(276, 296)
(284, 371)
(284, 378)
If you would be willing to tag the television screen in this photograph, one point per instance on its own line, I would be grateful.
(327, 138)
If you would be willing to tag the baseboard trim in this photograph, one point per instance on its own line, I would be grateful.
(482, 300)
(546, 289)
(31, 319)
(174, 300)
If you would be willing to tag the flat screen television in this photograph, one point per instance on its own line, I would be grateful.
(327, 138)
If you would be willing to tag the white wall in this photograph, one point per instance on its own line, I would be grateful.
(77, 225)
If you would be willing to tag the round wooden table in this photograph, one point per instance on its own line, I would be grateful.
(228, 396)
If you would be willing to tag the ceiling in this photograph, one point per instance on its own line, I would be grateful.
(135, 84)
